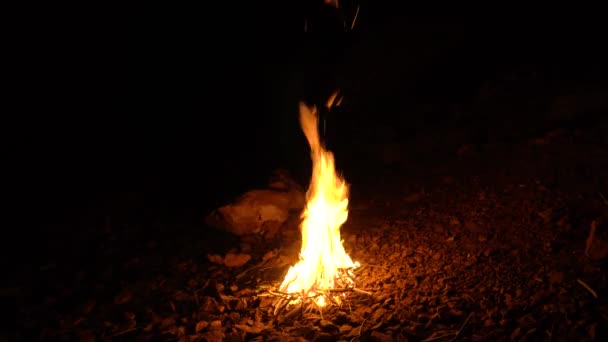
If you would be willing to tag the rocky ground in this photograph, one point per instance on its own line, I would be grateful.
(490, 243)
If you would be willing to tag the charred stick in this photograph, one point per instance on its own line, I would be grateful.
(291, 314)
(462, 327)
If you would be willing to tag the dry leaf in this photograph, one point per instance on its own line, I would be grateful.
(217, 324)
(89, 306)
(256, 329)
(381, 337)
(216, 259)
(201, 326)
(345, 328)
(182, 296)
(268, 255)
(123, 297)
(167, 322)
(236, 260)
(214, 336)
(556, 277)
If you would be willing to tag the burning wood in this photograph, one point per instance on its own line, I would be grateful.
(324, 265)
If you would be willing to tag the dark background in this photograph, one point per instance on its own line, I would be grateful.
(128, 127)
(187, 107)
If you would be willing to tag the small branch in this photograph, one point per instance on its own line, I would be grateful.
(583, 284)
(280, 305)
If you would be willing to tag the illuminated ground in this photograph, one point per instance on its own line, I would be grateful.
(485, 246)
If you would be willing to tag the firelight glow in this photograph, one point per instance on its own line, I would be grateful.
(323, 261)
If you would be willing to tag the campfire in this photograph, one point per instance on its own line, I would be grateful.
(325, 271)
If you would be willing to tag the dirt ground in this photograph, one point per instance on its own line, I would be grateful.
(491, 243)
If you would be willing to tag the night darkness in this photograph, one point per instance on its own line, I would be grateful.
(198, 105)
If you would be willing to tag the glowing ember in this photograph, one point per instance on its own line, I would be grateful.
(333, 3)
(323, 265)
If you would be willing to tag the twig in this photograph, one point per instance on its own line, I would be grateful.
(318, 308)
(360, 329)
(604, 198)
(359, 291)
(196, 300)
(280, 305)
(362, 266)
(428, 324)
(294, 311)
(583, 284)
(284, 295)
(439, 337)
(350, 289)
(590, 238)
(462, 327)
(120, 333)
(261, 266)
(244, 273)
(352, 26)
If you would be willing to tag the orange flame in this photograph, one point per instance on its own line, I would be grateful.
(333, 3)
(323, 261)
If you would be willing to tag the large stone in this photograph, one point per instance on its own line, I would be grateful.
(260, 208)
